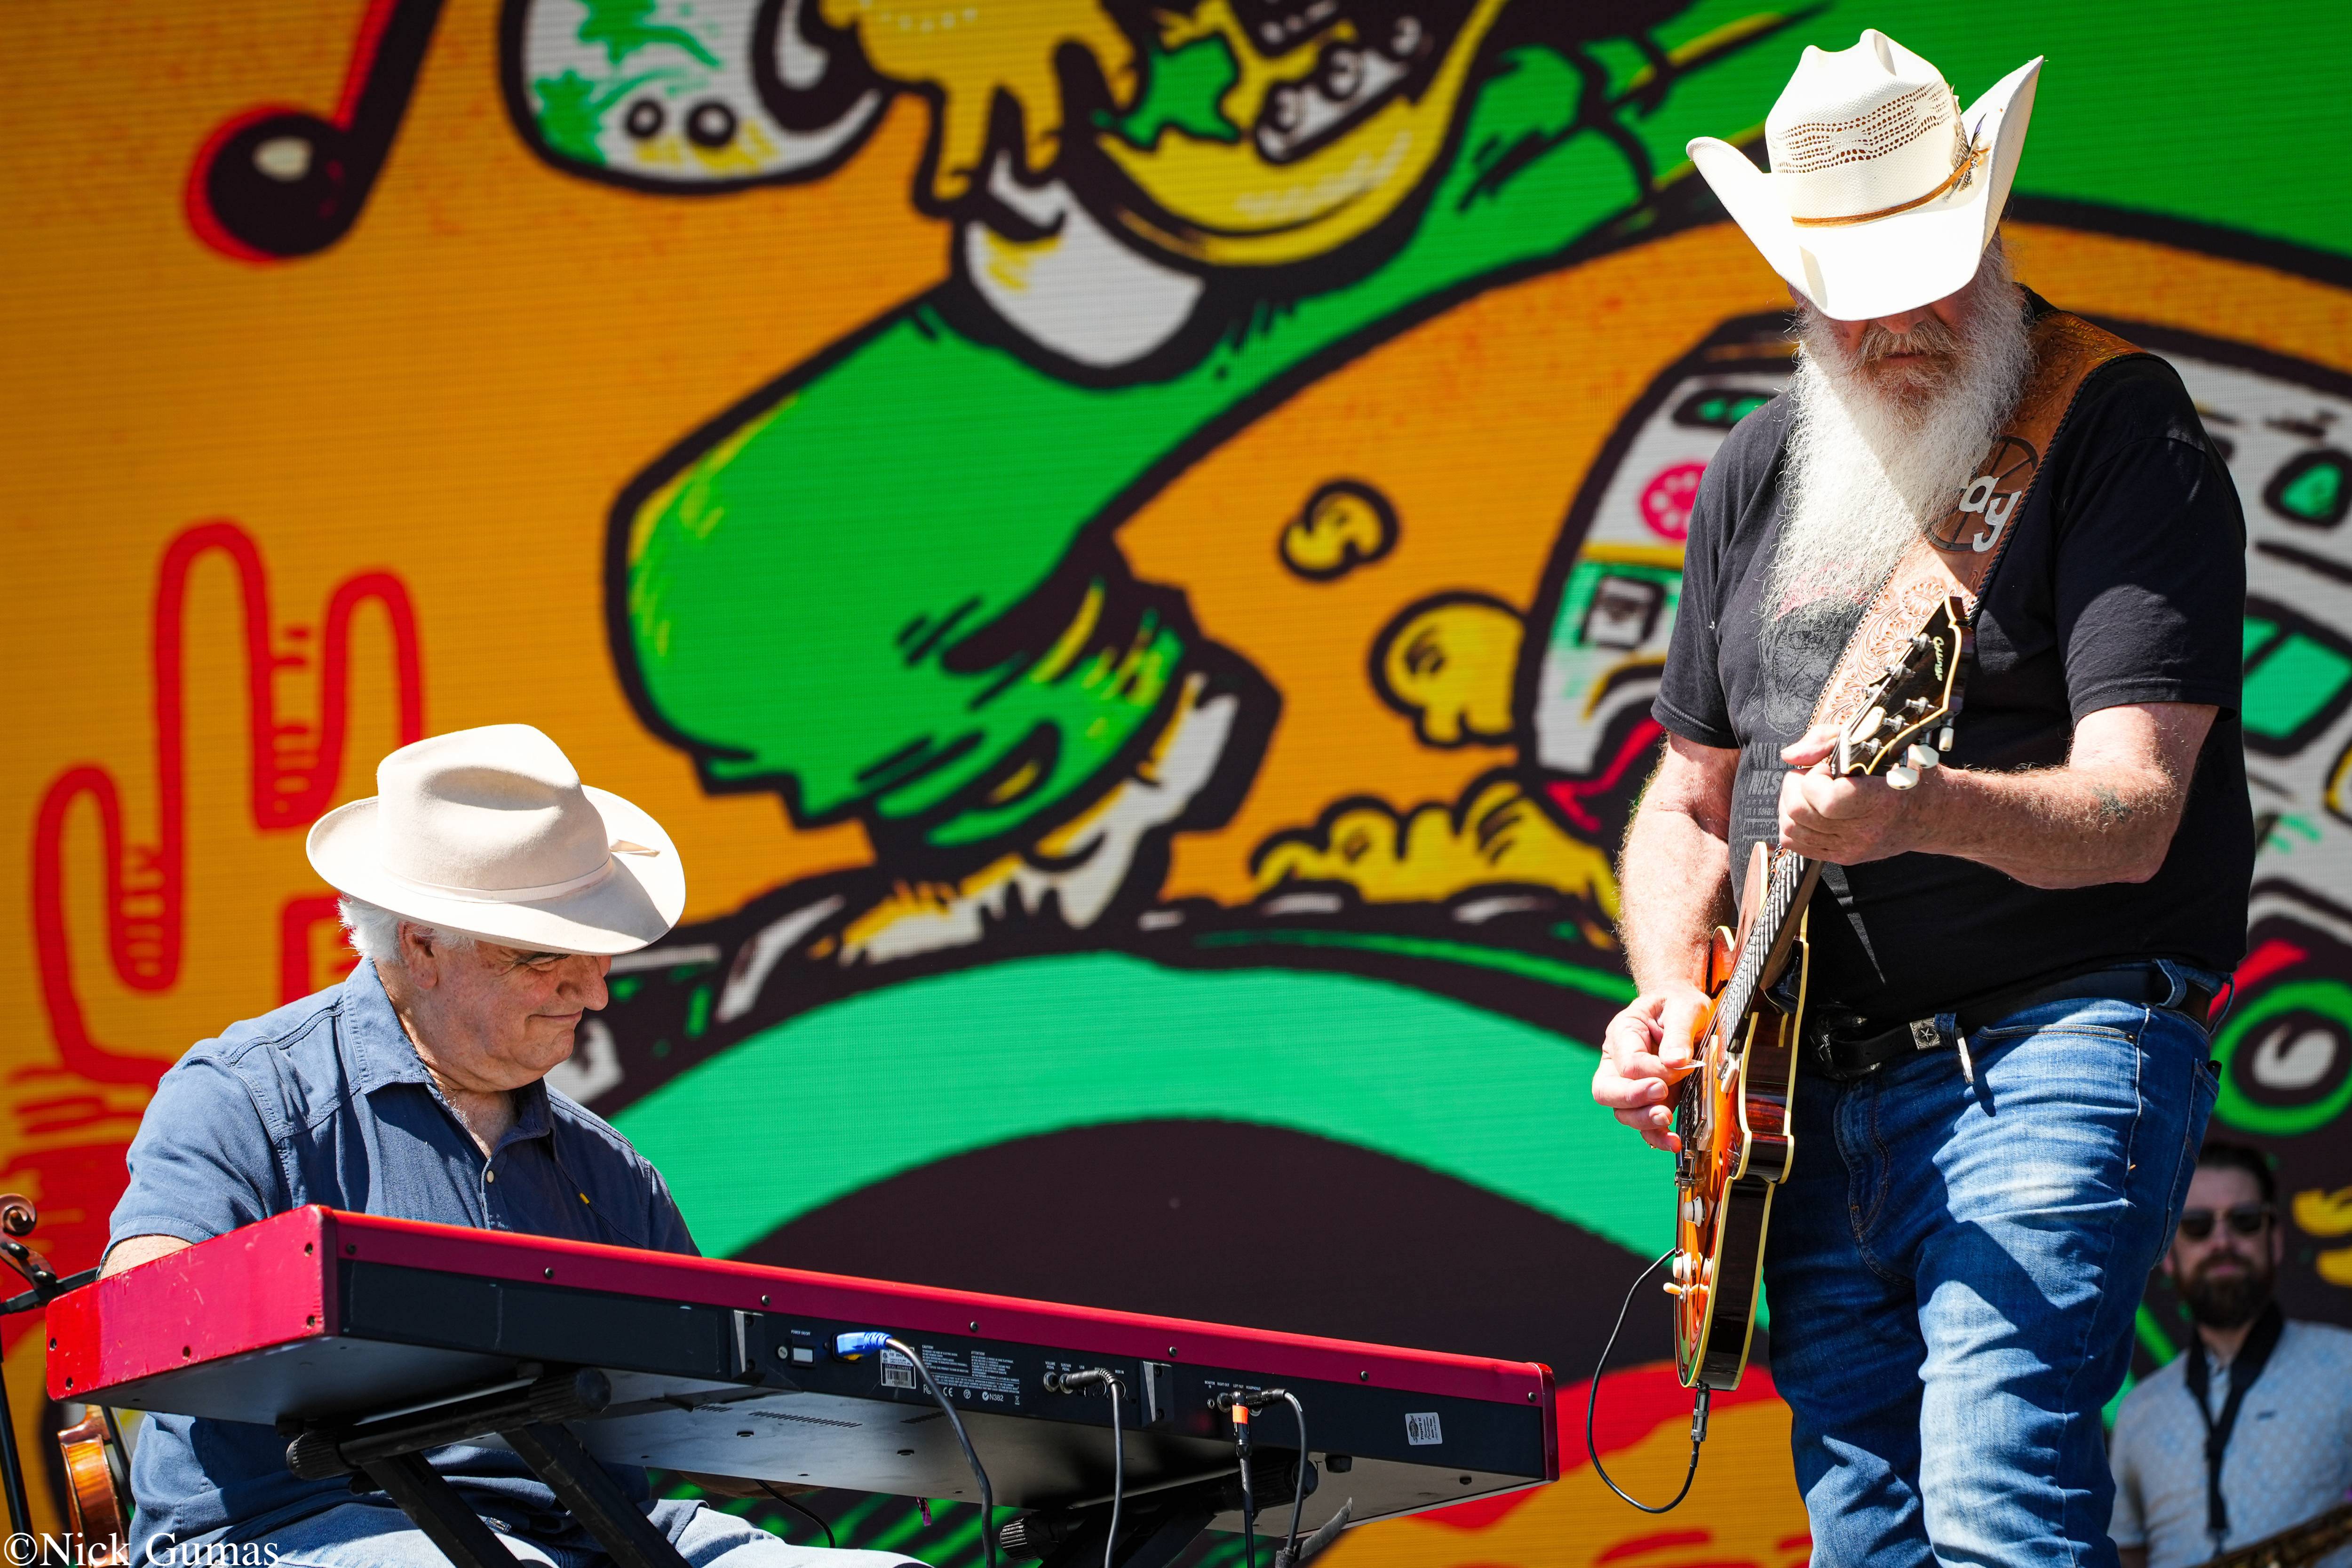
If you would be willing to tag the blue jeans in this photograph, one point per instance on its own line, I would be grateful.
(377, 1535)
(1953, 1269)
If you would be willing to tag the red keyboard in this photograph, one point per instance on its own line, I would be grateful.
(337, 1322)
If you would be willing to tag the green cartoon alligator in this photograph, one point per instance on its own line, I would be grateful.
(888, 587)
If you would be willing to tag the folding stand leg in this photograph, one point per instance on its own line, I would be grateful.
(1148, 1538)
(1172, 1532)
(580, 1484)
(439, 1511)
(12, 1468)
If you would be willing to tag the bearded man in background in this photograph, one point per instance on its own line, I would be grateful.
(2250, 1432)
(2003, 1072)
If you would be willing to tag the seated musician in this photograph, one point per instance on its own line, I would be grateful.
(2003, 1079)
(485, 889)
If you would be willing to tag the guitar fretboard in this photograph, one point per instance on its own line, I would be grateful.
(1784, 885)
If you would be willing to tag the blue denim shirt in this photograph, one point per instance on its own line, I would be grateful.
(325, 1101)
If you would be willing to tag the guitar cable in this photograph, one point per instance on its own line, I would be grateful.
(1592, 1399)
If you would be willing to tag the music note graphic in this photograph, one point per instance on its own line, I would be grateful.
(275, 182)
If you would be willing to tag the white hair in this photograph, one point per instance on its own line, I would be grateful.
(375, 933)
(1873, 466)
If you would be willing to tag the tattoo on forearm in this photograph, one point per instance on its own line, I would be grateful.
(2113, 809)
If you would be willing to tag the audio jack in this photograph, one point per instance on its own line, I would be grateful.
(1240, 1406)
(1102, 1378)
(1592, 1399)
(856, 1346)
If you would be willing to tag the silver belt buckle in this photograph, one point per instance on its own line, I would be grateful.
(1924, 1036)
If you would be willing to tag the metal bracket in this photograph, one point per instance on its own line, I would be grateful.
(446, 1520)
(580, 1484)
(389, 1451)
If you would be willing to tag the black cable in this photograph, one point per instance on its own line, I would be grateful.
(1289, 1554)
(1249, 1497)
(1105, 1379)
(807, 1513)
(987, 1493)
(1117, 1475)
(1592, 1398)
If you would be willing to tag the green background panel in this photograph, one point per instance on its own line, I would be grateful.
(891, 1079)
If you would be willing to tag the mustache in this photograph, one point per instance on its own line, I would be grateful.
(2231, 1295)
(1927, 336)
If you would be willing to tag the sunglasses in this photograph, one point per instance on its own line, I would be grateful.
(2246, 1219)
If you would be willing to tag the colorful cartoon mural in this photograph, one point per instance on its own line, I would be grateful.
(1130, 544)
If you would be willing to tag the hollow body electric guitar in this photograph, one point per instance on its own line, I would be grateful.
(1731, 1108)
(2295, 1546)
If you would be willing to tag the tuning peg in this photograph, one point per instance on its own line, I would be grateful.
(1902, 776)
(1922, 757)
(1944, 739)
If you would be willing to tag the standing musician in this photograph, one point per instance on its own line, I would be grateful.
(2004, 1074)
(485, 889)
(2250, 1432)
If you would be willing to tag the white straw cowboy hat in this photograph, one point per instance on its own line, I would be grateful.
(490, 832)
(1884, 193)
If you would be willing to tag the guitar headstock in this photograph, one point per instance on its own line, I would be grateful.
(1906, 716)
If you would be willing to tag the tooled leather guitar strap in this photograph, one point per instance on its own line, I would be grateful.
(1959, 552)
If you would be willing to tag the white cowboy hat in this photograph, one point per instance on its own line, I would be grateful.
(1882, 193)
(490, 832)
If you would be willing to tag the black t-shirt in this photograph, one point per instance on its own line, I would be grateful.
(2124, 582)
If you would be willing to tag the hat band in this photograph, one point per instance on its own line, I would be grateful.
(1976, 154)
(503, 895)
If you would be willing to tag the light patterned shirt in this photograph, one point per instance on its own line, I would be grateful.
(2290, 1455)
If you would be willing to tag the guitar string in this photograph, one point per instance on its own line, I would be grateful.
(1787, 875)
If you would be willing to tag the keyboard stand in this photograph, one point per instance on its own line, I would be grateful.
(1154, 1529)
(436, 1508)
(582, 1485)
(529, 1417)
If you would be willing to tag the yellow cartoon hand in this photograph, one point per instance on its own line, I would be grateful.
(969, 52)
(1448, 663)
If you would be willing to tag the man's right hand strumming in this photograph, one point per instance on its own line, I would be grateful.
(1675, 887)
(1647, 1050)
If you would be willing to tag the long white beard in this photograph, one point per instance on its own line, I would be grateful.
(1869, 472)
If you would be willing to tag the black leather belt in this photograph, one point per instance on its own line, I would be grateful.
(1845, 1048)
